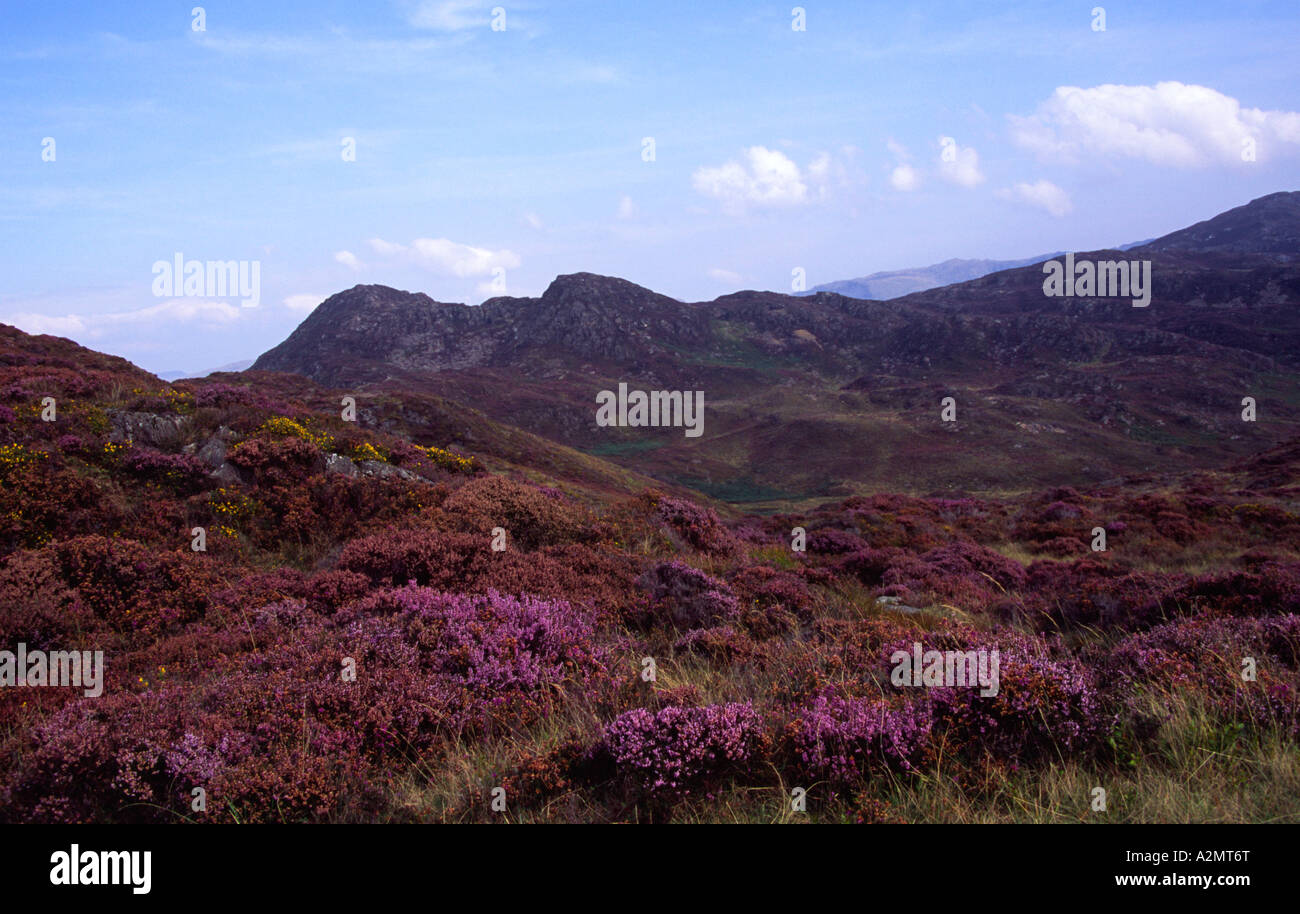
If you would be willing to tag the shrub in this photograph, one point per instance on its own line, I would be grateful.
(687, 597)
(678, 750)
(283, 462)
(841, 740)
(530, 518)
(1204, 654)
(427, 557)
(698, 527)
(179, 471)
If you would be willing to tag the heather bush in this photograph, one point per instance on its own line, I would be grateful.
(37, 607)
(699, 528)
(1045, 706)
(427, 557)
(180, 472)
(1205, 655)
(488, 649)
(210, 396)
(275, 733)
(680, 750)
(530, 518)
(286, 461)
(1267, 588)
(687, 597)
(133, 587)
(41, 499)
(834, 542)
(841, 740)
(772, 602)
(1092, 592)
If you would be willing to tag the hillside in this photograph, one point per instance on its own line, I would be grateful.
(316, 620)
(819, 396)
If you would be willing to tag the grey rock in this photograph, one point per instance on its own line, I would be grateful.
(384, 470)
(336, 463)
(896, 604)
(144, 428)
(213, 452)
(227, 474)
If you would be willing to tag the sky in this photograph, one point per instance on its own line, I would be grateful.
(466, 149)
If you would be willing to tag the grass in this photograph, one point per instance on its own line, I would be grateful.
(623, 448)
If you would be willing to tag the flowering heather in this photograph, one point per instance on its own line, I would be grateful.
(431, 666)
(834, 542)
(681, 750)
(527, 668)
(698, 527)
(687, 597)
(1044, 706)
(1205, 655)
(209, 396)
(180, 471)
(842, 739)
(494, 645)
(530, 518)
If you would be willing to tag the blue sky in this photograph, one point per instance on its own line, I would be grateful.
(880, 137)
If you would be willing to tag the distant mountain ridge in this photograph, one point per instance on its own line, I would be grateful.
(826, 394)
(889, 284)
(241, 365)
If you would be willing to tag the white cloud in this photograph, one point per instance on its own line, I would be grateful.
(176, 310)
(304, 302)
(349, 260)
(766, 177)
(904, 177)
(56, 325)
(448, 258)
(1042, 194)
(626, 208)
(533, 221)
(1170, 123)
(958, 164)
(725, 276)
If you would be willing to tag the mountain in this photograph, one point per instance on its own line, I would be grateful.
(826, 395)
(893, 283)
(241, 365)
(232, 542)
